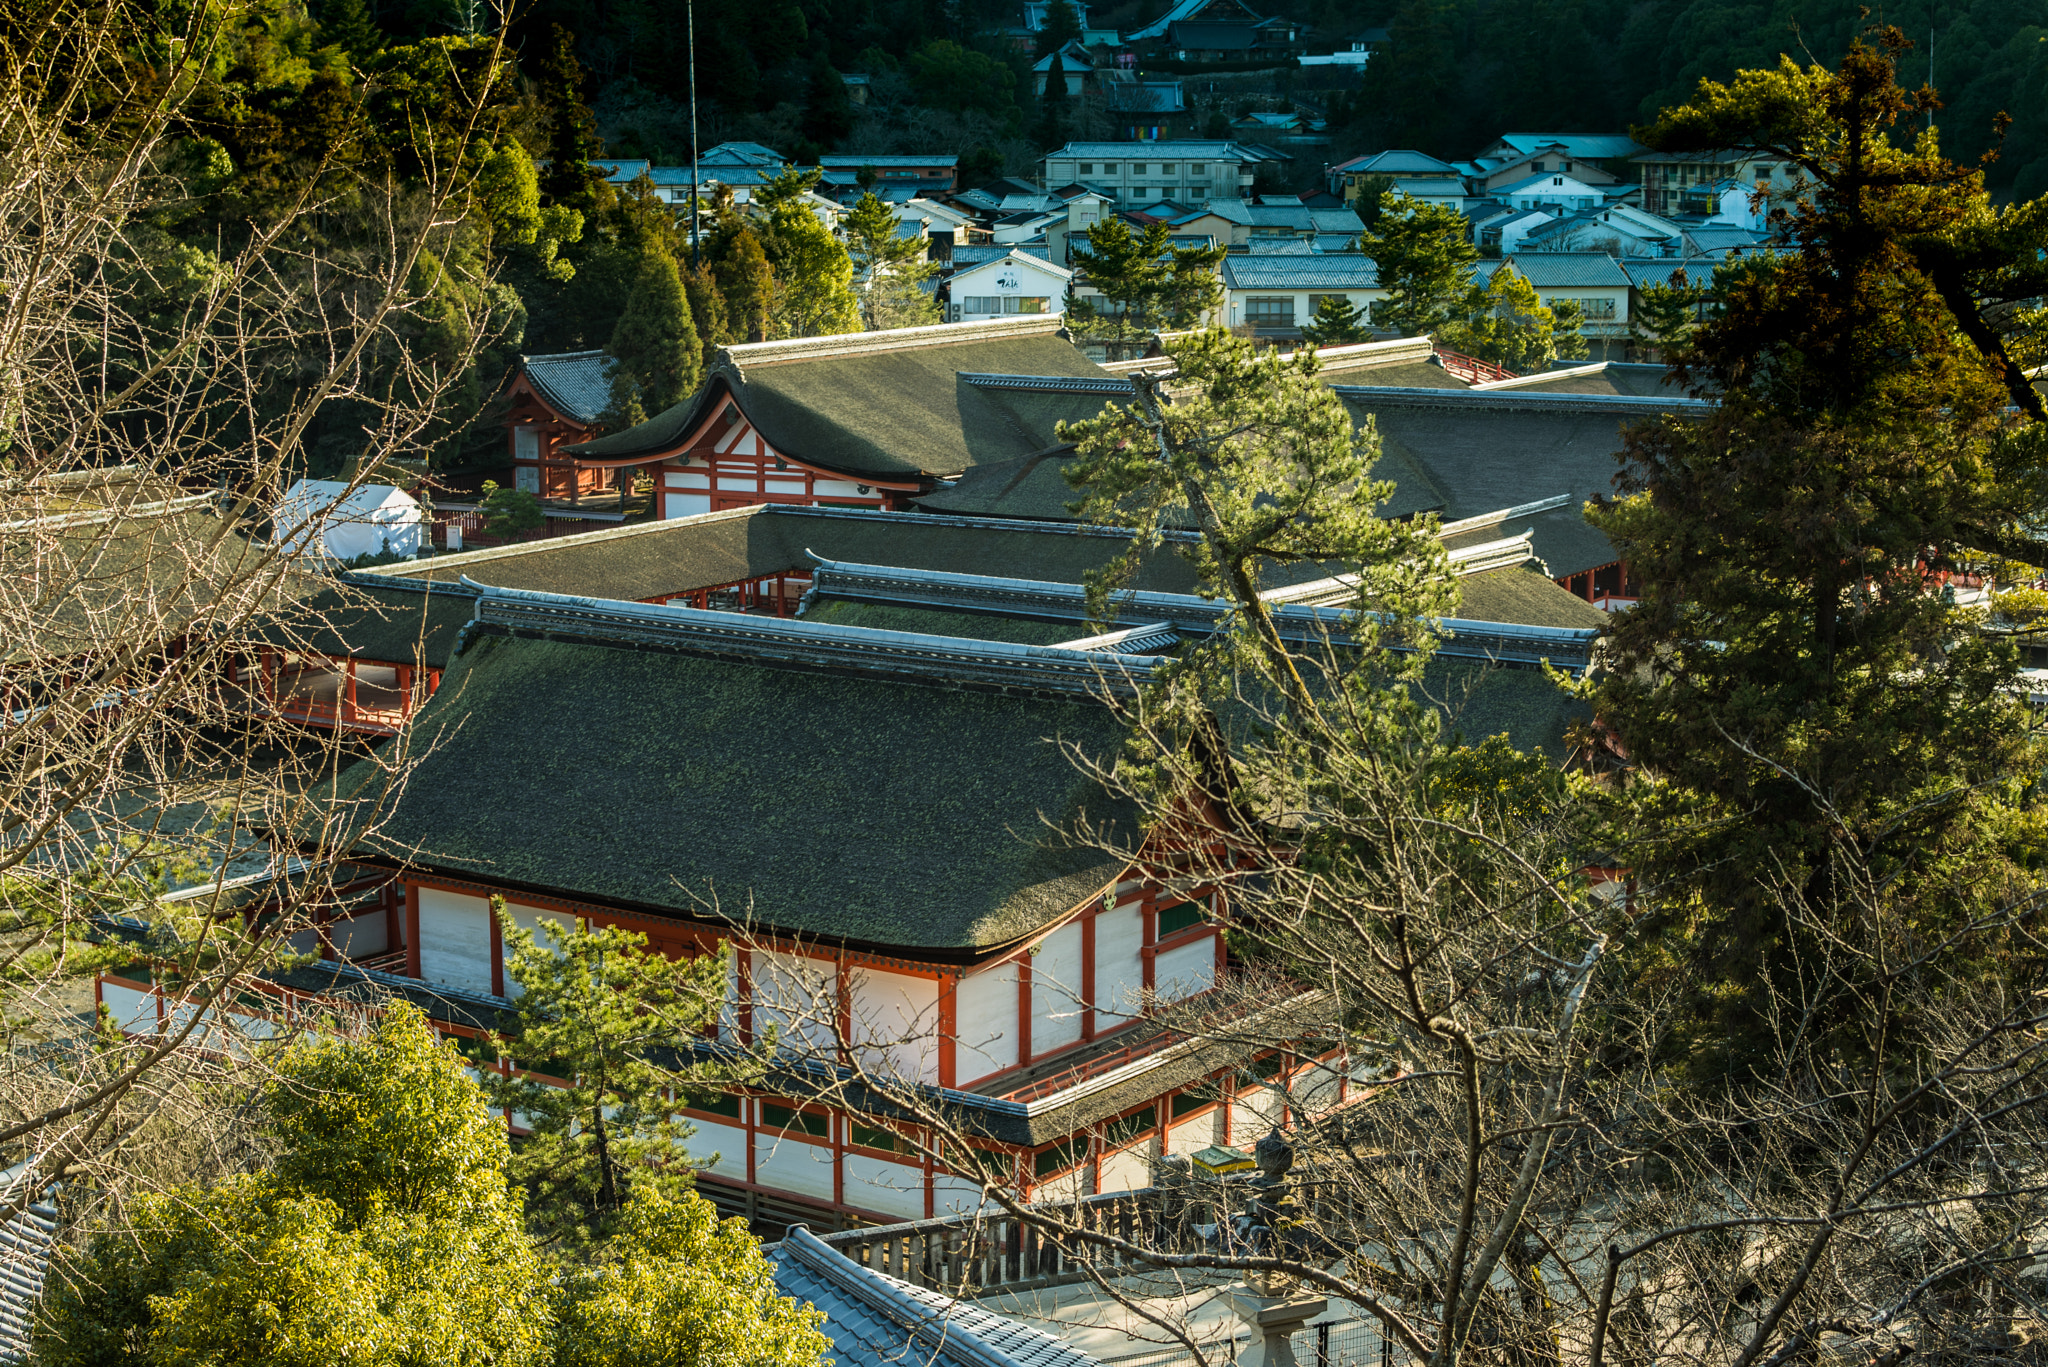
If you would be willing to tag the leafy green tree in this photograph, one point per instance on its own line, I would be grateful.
(386, 1234)
(508, 189)
(1261, 458)
(889, 269)
(946, 75)
(814, 273)
(675, 1287)
(1507, 324)
(1337, 322)
(1146, 285)
(660, 358)
(572, 138)
(613, 1025)
(1425, 257)
(1792, 676)
(507, 511)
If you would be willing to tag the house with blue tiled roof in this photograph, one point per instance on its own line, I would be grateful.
(1274, 295)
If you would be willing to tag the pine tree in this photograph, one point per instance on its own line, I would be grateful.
(1665, 314)
(1425, 257)
(1051, 131)
(1337, 322)
(889, 269)
(572, 137)
(1149, 285)
(351, 26)
(659, 356)
(1506, 324)
(1062, 26)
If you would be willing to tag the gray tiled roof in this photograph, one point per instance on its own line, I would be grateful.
(1566, 270)
(875, 1320)
(855, 162)
(1397, 163)
(577, 384)
(1300, 272)
(1184, 149)
(24, 1258)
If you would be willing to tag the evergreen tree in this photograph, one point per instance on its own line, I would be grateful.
(1062, 26)
(1146, 285)
(1795, 675)
(1567, 330)
(660, 357)
(1337, 322)
(612, 1024)
(1665, 314)
(1425, 257)
(889, 268)
(748, 283)
(572, 137)
(351, 26)
(707, 311)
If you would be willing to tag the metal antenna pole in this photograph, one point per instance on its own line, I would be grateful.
(692, 9)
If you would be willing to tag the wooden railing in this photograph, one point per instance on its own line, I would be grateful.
(1471, 369)
(973, 1255)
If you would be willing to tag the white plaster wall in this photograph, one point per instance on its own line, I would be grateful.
(1191, 1135)
(684, 505)
(728, 1142)
(1063, 1188)
(876, 1184)
(792, 1165)
(898, 1014)
(1125, 1170)
(1251, 1116)
(1119, 971)
(1056, 990)
(797, 995)
(534, 919)
(985, 1019)
(455, 939)
(1187, 970)
(956, 1195)
(361, 935)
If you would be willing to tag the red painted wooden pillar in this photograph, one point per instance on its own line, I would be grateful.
(949, 1013)
(1023, 1009)
(1088, 974)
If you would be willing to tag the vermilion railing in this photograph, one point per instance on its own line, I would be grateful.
(1471, 369)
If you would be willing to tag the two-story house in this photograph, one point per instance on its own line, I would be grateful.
(1188, 170)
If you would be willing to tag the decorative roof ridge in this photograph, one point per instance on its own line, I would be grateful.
(1465, 638)
(416, 568)
(114, 512)
(786, 642)
(996, 524)
(1064, 384)
(736, 358)
(906, 1305)
(1388, 352)
(1536, 377)
(367, 579)
(1561, 403)
(528, 357)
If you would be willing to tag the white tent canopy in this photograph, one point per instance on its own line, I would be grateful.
(374, 519)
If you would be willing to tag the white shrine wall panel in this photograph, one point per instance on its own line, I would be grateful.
(1065, 1187)
(1186, 969)
(899, 1015)
(684, 505)
(728, 1142)
(369, 933)
(799, 996)
(1119, 969)
(455, 939)
(1056, 990)
(1124, 1170)
(985, 1023)
(1251, 1116)
(133, 1008)
(790, 1164)
(1191, 1135)
(957, 1196)
(535, 920)
(883, 1187)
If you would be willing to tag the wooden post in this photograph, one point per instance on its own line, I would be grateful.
(1088, 973)
(1023, 1009)
(348, 687)
(497, 951)
(412, 930)
(949, 1007)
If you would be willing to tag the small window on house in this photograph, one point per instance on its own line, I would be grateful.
(1557, 180)
(1564, 166)
(1272, 312)
(1268, 1067)
(1087, 168)
(1117, 1133)
(1537, 167)
(1137, 168)
(789, 1119)
(1165, 168)
(1315, 301)
(1174, 920)
(874, 1137)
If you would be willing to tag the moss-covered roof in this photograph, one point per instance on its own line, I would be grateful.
(873, 812)
(654, 559)
(1490, 700)
(1525, 597)
(366, 621)
(976, 626)
(888, 413)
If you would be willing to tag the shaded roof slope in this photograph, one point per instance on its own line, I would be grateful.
(1524, 596)
(852, 809)
(404, 621)
(897, 406)
(576, 384)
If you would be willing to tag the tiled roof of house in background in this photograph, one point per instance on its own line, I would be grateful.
(1570, 270)
(876, 1320)
(1591, 146)
(1643, 271)
(1179, 149)
(1722, 240)
(576, 384)
(1143, 97)
(741, 154)
(853, 162)
(25, 1243)
(891, 404)
(1300, 272)
(1400, 162)
(964, 257)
